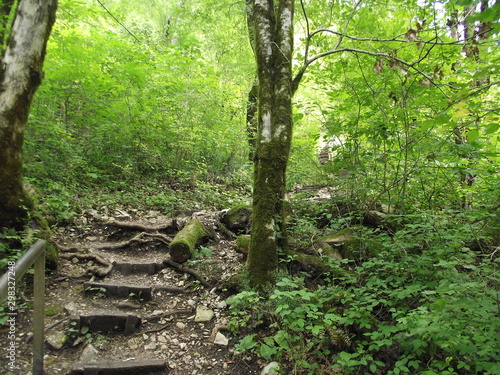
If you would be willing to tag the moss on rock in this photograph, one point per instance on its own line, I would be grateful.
(243, 244)
(238, 218)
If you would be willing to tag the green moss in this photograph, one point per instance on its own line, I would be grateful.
(243, 244)
(238, 218)
(52, 310)
(186, 240)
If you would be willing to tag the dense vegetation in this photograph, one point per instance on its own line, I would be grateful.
(143, 105)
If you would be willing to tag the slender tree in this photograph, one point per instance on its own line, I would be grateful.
(21, 74)
(273, 34)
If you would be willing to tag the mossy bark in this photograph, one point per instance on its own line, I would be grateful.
(186, 241)
(20, 76)
(273, 34)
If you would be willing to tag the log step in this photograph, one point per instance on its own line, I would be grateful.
(143, 293)
(115, 323)
(141, 367)
(138, 268)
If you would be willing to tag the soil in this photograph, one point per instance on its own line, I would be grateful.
(168, 330)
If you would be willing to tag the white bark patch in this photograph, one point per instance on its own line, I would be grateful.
(264, 31)
(280, 131)
(286, 26)
(266, 128)
(270, 226)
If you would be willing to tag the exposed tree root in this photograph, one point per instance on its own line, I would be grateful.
(66, 249)
(94, 257)
(96, 271)
(171, 289)
(140, 238)
(154, 330)
(168, 313)
(179, 268)
(169, 226)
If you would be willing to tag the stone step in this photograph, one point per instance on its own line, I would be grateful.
(139, 367)
(107, 323)
(141, 293)
(138, 268)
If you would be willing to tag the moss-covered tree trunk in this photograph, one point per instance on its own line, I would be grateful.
(20, 75)
(273, 33)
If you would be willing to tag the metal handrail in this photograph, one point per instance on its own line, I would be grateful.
(34, 256)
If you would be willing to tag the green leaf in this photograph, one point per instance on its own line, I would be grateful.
(266, 351)
(491, 128)
(246, 343)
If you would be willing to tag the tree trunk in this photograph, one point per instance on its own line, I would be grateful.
(273, 33)
(252, 119)
(20, 76)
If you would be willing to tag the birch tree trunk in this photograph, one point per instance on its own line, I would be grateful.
(273, 33)
(20, 76)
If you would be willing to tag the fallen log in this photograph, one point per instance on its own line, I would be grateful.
(184, 242)
(310, 263)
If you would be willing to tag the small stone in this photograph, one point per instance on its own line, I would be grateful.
(221, 305)
(89, 354)
(150, 346)
(271, 369)
(56, 340)
(180, 325)
(132, 344)
(92, 238)
(191, 302)
(162, 339)
(182, 345)
(203, 314)
(71, 308)
(220, 339)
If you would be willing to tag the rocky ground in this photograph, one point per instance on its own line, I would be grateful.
(115, 296)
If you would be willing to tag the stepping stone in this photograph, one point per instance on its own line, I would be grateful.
(141, 367)
(138, 268)
(116, 323)
(143, 293)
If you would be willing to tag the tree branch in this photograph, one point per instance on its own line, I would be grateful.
(118, 21)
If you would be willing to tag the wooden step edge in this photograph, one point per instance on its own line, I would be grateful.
(143, 293)
(135, 367)
(128, 268)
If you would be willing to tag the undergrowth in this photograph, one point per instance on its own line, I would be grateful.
(426, 303)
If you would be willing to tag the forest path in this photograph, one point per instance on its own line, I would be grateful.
(116, 297)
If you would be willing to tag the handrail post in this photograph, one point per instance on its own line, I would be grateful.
(34, 256)
(38, 314)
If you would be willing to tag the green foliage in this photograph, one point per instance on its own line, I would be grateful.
(423, 303)
(132, 112)
(11, 247)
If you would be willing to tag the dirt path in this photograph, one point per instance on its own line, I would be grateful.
(108, 302)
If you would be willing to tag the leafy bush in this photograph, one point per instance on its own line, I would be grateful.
(424, 303)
